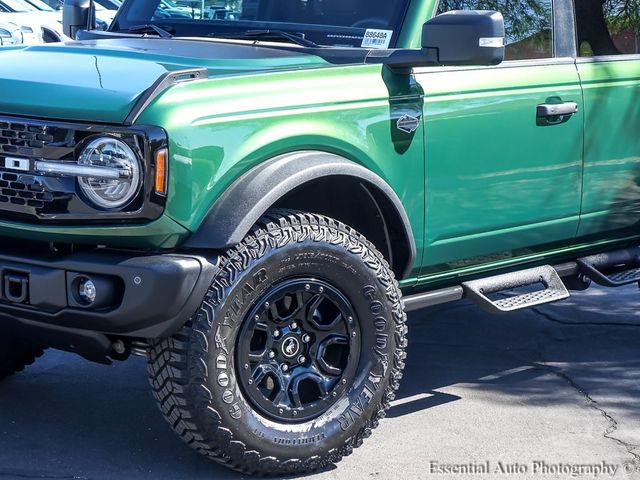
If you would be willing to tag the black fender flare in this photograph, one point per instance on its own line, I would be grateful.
(248, 198)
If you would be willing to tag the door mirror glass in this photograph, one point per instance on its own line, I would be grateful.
(466, 37)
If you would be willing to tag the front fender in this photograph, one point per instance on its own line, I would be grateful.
(231, 217)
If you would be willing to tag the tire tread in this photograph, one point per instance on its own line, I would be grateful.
(16, 356)
(177, 373)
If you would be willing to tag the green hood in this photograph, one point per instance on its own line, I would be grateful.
(101, 80)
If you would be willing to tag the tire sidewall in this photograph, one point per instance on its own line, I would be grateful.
(365, 281)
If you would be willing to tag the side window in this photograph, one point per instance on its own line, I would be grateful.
(528, 24)
(608, 27)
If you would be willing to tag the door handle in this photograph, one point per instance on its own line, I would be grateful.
(546, 110)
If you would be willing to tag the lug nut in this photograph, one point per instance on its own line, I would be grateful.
(294, 325)
(272, 354)
(307, 287)
(276, 333)
(285, 367)
(302, 359)
(306, 338)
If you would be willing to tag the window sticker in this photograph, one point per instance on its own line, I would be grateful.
(377, 38)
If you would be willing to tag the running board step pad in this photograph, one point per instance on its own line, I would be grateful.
(545, 276)
(612, 269)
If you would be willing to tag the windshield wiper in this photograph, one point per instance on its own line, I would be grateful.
(149, 28)
(267, 35)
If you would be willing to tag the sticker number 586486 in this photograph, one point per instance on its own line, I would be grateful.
(376, 38)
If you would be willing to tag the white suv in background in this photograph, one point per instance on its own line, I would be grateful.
(39, 25)
(10, 34)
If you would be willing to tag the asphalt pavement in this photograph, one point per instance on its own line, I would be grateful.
(545, 393)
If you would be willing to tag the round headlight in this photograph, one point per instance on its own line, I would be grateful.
(122, 173)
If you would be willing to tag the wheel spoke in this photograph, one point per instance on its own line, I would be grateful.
(295, 396)
(256, 357)
(311, 307)
(321, 336)
(273, 313)
(281, 397)
(259, 373)
(263, 327)
(266, 369)
(264, 342)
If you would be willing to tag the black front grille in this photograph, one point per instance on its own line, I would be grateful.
(23, 190)
(23, 138)
(26, 195)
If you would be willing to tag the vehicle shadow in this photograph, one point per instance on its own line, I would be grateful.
(593, 336)
(65, 418)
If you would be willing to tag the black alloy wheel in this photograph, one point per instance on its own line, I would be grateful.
(298, 350)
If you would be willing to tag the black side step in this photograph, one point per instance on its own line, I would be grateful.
(545, 276)
(612, 269)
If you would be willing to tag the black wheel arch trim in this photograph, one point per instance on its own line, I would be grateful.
(231, 217)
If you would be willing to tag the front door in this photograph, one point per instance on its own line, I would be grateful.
(503, 173)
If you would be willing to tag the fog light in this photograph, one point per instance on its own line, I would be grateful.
(87, 290)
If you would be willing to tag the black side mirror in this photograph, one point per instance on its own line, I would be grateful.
(466, 37)
(78, 15)
(459, 37)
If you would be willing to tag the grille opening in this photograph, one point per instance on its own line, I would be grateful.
(23, 190)
(22, 138)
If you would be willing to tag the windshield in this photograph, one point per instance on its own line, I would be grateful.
(348, 23)
(17, 6)
(108, 4)
(40, 5)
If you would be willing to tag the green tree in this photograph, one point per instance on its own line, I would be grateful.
(599, 22)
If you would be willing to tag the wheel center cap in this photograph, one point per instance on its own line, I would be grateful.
(290, 347)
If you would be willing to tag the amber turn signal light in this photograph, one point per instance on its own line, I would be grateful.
(162, 158)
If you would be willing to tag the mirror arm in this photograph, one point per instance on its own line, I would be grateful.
(403, 60)
(91, 16)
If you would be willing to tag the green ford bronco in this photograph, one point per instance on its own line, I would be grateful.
(251, 194)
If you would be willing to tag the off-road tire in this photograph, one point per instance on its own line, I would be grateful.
(195, 379)
(15, 355)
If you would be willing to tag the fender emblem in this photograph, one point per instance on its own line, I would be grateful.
(408, 123)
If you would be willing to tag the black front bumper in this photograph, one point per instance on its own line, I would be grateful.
(138, 296)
